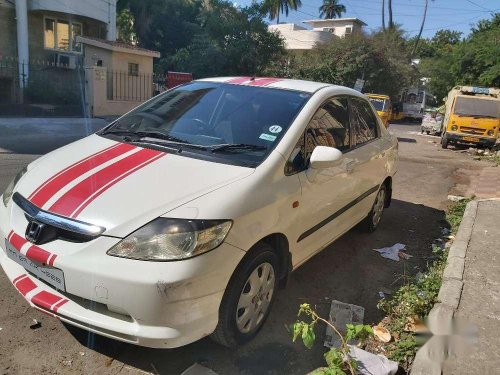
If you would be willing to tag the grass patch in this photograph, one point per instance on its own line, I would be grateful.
(455, 214)
(493, 158)
(406, 308)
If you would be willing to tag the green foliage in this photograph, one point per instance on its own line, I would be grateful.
(338, 360)
(475, 60)
(125, 25)
(331, 9)
(381, 59)
(455, 213)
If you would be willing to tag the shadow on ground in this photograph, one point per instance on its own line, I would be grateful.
(40, 136)
(348, 270)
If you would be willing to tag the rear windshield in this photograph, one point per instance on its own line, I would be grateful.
(379, 104)
(477, 107)
(212, 114)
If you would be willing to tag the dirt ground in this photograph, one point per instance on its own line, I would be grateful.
(347, 271)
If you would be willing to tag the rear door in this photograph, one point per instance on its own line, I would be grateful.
(367, 156)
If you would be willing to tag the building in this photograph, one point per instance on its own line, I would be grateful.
(47, 48)
(299, 38)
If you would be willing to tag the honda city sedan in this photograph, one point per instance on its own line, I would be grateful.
(184, 217)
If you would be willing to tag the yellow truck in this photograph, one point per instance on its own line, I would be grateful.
(382, 104)
(472, 116)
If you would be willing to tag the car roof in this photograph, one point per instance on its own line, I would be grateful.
(280, 83)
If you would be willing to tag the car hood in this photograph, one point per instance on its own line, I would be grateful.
(119, 186)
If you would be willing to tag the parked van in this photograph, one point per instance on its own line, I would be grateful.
(382, 104)
(472, 116)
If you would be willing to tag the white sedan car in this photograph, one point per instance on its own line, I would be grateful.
(182, 218)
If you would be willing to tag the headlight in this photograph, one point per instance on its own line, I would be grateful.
(491, 133)
(166, 239)
(7, 194)
(454, 128)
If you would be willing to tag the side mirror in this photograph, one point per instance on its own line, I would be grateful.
(325, 157)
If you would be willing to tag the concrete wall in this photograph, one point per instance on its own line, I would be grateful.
(338, 25)
(97, 99)
(299, 38)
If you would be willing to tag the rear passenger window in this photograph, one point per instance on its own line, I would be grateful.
(364, 122)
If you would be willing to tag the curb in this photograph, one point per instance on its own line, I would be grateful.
(429, 358)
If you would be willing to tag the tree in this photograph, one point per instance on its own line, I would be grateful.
(421, 28)
(389, 8)
(331, 9)
(383, 15)
(125, 25)
(274, 7)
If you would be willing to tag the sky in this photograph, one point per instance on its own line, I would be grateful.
(459, 15)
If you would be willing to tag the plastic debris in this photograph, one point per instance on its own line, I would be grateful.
(341, 314)
(382, 333)
(198, 369)
(372, 364)
(455, 198)
(67, 363)
(381, 294)
(394, 252)
(36, 324)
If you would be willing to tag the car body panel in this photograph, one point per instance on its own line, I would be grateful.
(169, 304)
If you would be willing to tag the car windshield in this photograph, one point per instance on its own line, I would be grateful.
(379, 104)
(241, 124)
(477, 107)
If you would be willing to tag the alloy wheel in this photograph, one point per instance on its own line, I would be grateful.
(378, 207)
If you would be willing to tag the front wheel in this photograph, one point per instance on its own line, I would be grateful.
(444, 142)
(371, 222)
(248, 299)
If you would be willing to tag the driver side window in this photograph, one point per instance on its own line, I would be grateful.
(328, 127)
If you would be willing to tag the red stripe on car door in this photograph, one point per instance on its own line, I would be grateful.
(47, 190)
(83, 193)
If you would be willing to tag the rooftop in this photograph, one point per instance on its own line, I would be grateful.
(336, 20)
(117, 46)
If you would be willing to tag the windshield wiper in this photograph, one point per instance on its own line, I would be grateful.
(236, 147)
(147, 134)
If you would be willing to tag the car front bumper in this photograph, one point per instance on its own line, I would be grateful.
(153, 304)
(465, 138)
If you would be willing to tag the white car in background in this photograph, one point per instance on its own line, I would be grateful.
(182, 218)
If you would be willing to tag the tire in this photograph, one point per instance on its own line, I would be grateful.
(231, 331)
(421, 131)
(428, 132)
(371, 222)
(444, 142)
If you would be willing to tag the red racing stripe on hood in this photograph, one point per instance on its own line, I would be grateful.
(38, 254)
(239, 80)
(86, 191)
(47, 190)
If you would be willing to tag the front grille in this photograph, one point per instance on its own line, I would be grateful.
(469, 130)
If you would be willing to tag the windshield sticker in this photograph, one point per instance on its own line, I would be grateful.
(267, 137)
(275, 129)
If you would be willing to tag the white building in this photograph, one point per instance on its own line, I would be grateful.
(299, 38)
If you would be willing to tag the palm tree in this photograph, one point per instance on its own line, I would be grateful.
(421, 29)
(383, 15)
(331, 9)
(274, 7)
(389, 7)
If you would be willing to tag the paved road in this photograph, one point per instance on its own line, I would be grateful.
(348, 271)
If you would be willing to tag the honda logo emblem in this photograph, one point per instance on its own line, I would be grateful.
(34, 231)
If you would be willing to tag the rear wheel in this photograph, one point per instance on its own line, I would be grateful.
(371, 222)
(248, 299)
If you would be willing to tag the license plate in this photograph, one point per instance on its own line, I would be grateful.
(51, 275)
(470, 139)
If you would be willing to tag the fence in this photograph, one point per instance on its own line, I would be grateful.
(40, 88)
(123, 86)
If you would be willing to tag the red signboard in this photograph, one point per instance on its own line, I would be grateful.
(176, 78)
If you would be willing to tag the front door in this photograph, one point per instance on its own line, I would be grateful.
(326, 193)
